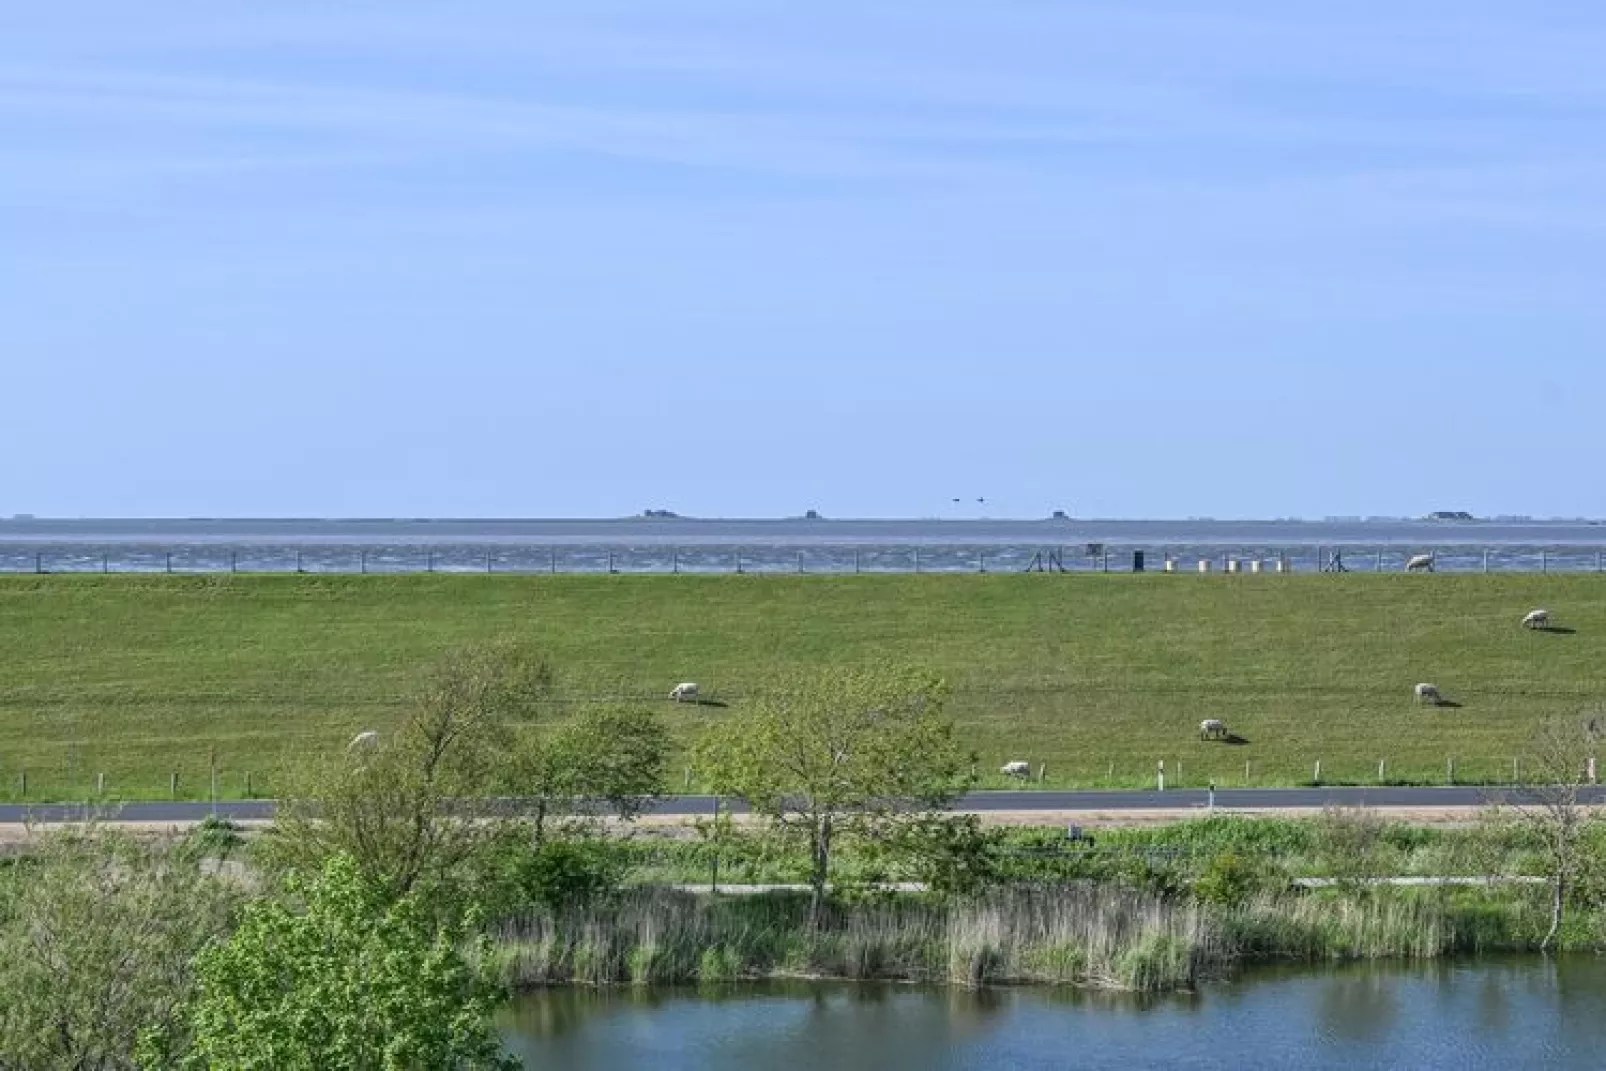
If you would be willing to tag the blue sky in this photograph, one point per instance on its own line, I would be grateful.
(739, 257)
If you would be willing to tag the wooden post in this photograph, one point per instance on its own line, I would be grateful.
(248, 785)
(611, 569)
(298, 561)
(981, 561)
(487, 563)
(1380, 561)
(169, 561)
(234, 561)
(855, 561)
(1246, 773)
(105, 563)
(1515, 775)
(1544, 561)
(100, 784)
(1161, 777)
(429, 559)
(362, 563)
(917, 561)
(1179, 773)
(23, 777)
(738, 563)
(1449, 770)
(1380, 774)
(552, 561)
(688, 779)
(1318, 776)
(1485, 559)
(172, 785)
(39, 561)
(800, 563)
(674, 561)
(1111, 776)
(1042, 771)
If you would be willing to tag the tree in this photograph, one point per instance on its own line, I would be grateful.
(482, 760)
(98, 932)
(356, 981)
(848, 753)
(1547, 803)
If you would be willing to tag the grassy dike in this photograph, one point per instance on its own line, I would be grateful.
(1098, 676)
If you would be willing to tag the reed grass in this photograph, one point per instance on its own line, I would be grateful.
(1090, 935)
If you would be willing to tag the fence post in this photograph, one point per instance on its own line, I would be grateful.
(487, 563)
(234, 560)
(1110, 777)
(1162, 775)
(738, 563)
(674, 561)
(688, 779)
(611, 569)
(100, 784)
(1486, 559)
(105, 563)
(981, 562)
(248, 784)
(298, 561)
(23, 777)
(39, 561)
(1380, 769)
(1042, 771)
(362, 563)
(855, 561)
(211, 762)
(1449, 770)
(552, 561)
(169, 561)
(917, 561)
(1246, 773)
(800, 563)
(1318, 777)
(172, 785)
(430, 561)
(1515, 775)
(1544, 562)
(1379, 561)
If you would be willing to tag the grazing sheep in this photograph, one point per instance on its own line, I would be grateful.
(1428, 693)
(1016, 769)
(1212, 729)
(1420, 563)
(1537, 619)
(365, 741)
(683, 692)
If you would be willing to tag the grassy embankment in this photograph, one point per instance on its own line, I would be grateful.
(1098, 676)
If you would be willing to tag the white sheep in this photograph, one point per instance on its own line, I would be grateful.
(1016, 769)
(365, 741)
(1428, 693)
(684, 692)
(1537, 619)
(1420, 563)
(1212, 729)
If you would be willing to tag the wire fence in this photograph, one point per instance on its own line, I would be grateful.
(823, 559)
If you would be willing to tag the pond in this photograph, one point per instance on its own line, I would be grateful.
(1510, 1013)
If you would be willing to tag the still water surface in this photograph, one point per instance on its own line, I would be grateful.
(1505, 1013)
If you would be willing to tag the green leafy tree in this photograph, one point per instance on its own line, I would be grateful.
(482, 764)
(98, 933)
(356, 981)
(850, 753)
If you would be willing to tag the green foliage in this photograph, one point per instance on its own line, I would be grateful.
(356, 981)
(562, 872)
(952, 854)
(1230, 879)
(97, 935)
(839, 755)
(419, 814)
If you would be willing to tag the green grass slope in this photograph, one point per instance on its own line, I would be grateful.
(1098, 676)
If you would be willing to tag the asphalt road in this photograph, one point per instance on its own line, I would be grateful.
(1249, 799)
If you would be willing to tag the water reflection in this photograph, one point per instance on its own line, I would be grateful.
(1505, 1013)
